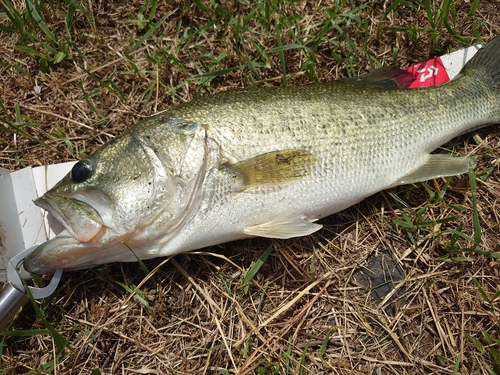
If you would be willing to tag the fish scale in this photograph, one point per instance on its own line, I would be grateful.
(261, 162)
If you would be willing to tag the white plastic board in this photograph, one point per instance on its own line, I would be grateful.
(22, 224)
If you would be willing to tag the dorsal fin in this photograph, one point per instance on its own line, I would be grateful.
(389, 77)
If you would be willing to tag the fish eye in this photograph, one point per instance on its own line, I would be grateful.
(82, 171)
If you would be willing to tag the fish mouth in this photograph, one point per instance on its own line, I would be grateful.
(88, 240)
(80, 219)
(75, 246)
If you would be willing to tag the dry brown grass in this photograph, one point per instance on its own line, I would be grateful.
(304, 312)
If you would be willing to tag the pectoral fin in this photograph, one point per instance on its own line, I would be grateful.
(286, 226)
(274, 168)
(438, 165)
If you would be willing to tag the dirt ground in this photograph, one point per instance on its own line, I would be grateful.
(306, 310)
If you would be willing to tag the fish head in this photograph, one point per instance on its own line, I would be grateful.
(133, 190)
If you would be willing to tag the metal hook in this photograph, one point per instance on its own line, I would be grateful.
(14, 296)
(14, 278)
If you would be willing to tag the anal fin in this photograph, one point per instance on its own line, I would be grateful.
(438, 165)
(286, 226)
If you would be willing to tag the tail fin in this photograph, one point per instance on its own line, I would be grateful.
(487, 61)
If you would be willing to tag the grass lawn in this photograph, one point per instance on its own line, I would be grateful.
(74, 74)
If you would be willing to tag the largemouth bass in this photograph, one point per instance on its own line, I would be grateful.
(261, 162)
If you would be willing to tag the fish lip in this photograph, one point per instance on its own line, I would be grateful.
(50, 204)
(45, 203)
(67, 253)
(61, 252)
(43, 260)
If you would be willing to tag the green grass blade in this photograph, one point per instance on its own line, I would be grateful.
(478, 344)
(60, 342)
(456, 368)
(152, 11)
(475, 212)
(431, 16)
(256, 266)
(490, 254)
(69, 18)
(17, 127)
(29, 51)
(202, 6)
(286, 47)
(208, 76)
(481, 290)
(39, 21)
(473, 9)
(25, 332)
(281, 54)
(13, 15)
(151, 31)
(143, 267)
(138, 296)
(324, 344)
